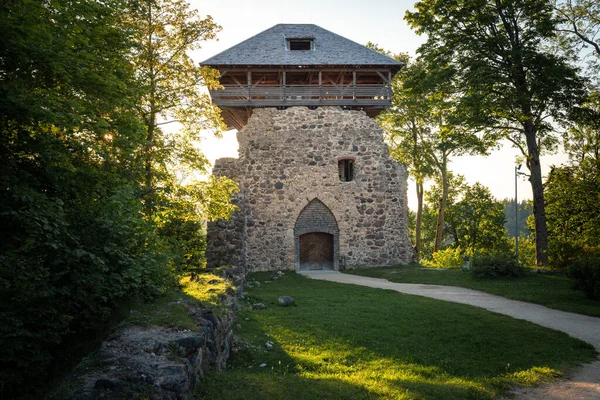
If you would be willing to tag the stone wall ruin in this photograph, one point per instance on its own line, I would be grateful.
(298, 208)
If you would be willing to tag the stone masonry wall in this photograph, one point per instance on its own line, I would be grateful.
(226, 241)
(288, 158)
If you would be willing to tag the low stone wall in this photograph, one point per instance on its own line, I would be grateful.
(158, 362)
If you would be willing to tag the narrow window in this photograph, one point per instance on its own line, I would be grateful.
(300, 44)
(346, 169)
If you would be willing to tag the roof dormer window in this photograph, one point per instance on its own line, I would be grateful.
(300, 44)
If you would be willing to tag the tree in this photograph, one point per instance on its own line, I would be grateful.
(474, 219)
(73, 243)
(582, 136)
(579, 31)
(524, 211)
(454, 187)
(573, 190)
(477, 222)
(573, 212)
(171, 90)
(421, 135)
(80, 107)
(406, 124)
(506, 84)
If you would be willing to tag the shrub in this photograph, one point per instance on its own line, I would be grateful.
(491, 267)
(585, 274)
(447, 258)
(64, 267)
(526, 250)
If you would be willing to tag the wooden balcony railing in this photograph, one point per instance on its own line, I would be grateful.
(289, 95)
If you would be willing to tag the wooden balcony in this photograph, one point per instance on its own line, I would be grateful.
(301, 95)
(237, 101)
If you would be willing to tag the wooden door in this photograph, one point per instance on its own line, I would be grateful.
(316, 251)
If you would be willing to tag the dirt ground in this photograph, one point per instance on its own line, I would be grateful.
(583, 384)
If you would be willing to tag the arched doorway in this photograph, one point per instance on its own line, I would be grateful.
(316, 238)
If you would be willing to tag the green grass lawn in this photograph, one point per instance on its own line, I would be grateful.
(550, 290)
(350, 342)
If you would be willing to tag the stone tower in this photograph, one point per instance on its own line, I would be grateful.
(318, 189)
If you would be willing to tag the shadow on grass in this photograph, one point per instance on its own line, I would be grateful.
(255, 386)
(344, 341)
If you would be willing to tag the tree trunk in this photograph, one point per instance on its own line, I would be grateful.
(148, 186)
(539, 210)
(439, 230)
(418, 221)
(150, 121)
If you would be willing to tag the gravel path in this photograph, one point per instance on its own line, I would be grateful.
(584, 384)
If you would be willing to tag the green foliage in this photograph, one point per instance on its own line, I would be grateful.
(421, 135)
(170, 309)
(573, 191)
(509, 85)
(428, 231)
(582, 134)
(524, 211)
(585, 274)
(180, 221)
(450, 257)
(573, 195)
(476, 222)
(526, 250)
(74, 243)
(454, 186)
(169, 87)
(491, 267)
(578, 33)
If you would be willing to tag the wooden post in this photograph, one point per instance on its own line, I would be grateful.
(283, 87)
(249, 84)
(320, 84)
(353, 85)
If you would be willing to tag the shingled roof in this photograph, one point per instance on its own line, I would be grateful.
(268, 48)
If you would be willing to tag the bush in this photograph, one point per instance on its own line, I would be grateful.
(64, 267)
(447, 258)
(585, 274)
(490, 267)
(526, 250)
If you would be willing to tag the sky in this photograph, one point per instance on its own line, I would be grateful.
(381, 22)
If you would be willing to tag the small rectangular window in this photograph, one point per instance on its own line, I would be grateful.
(300, 44)
(346, 169)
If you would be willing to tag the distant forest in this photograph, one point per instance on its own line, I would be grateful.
(525, 210)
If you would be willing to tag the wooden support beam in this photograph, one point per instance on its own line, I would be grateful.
(259, 81)
(341, 77)
(385, 79)
(236, 81)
